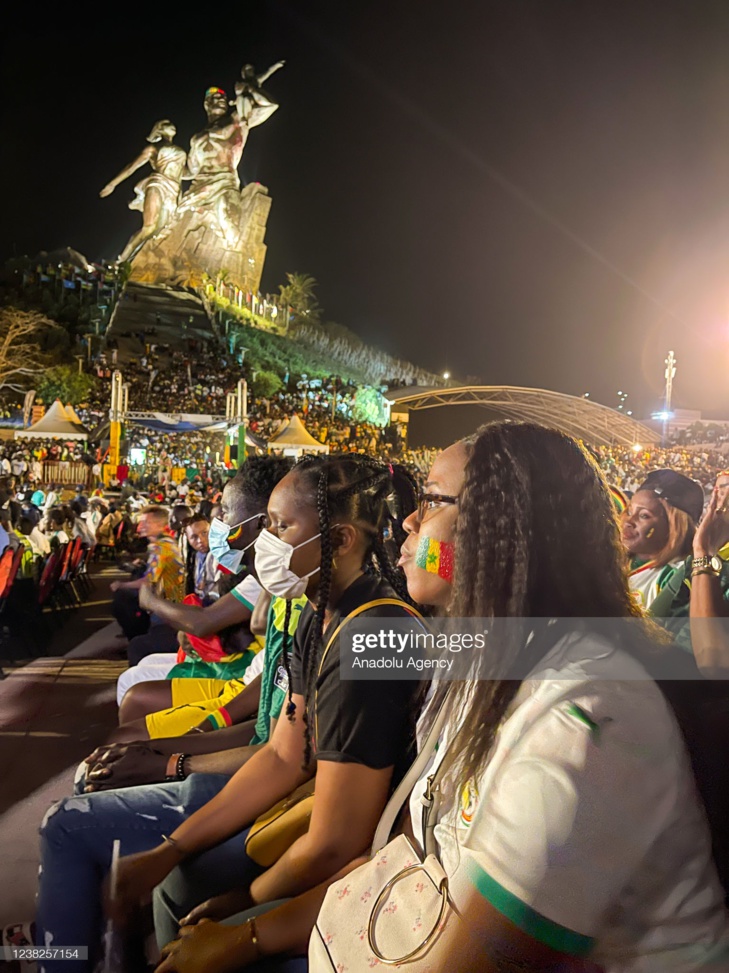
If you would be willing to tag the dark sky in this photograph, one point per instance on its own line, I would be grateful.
(533, 191)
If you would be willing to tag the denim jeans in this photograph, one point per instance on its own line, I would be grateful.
(76, 841)
(217, 870)
(164, 925)
(273, 964)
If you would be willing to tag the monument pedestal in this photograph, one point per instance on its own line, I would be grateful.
(192, 248)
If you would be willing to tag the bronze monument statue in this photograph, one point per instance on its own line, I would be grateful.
(214, 225)
(157, 195)
(216, 151)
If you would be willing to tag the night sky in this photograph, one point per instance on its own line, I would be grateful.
(535, 192)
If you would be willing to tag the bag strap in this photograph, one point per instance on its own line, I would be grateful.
(404, 788)
(353, 614)
(376, 603)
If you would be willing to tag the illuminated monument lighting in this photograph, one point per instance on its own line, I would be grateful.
(213, 225)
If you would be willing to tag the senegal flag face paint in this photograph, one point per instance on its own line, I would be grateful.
(435, 557)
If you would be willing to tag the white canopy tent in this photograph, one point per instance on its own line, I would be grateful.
(293, 440)
(72, 416)
(55, 424)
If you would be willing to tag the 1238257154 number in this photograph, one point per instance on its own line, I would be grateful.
(34, 954)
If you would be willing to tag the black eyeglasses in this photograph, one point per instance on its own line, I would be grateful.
(431, 501)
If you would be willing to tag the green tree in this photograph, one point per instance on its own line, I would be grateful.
(266, 384)
(298, 293)
(66, 383)
(369, 407)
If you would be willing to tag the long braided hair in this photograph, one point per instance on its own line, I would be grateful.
(537, 537)
(372, 496)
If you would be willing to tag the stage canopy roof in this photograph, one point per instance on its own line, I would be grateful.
(596, 424)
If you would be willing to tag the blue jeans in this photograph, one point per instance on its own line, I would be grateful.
(214, 872)
(272, 964)
(76, 841)
(165, 922)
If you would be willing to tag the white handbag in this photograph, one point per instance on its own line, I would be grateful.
(393, 909)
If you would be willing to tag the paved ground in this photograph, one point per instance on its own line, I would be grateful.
(53, 711)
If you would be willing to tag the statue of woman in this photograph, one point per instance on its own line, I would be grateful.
(157, 195)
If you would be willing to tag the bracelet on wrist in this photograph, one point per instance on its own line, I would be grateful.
(707, 563)
(253, 929)
(175, 769)
(710, 571)
(220, 718)
(173, 843)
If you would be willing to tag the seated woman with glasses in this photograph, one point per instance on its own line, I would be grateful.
(565, 813)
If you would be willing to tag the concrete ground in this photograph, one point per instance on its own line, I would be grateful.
(54, 710)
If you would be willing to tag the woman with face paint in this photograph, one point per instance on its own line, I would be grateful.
(555, 758)
(327, 523)
(565, 813)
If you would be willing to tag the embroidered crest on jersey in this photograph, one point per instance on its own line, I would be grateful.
(469, 800)
(282, 679)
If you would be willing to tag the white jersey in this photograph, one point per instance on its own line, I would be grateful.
(588, 833)
(647, 581)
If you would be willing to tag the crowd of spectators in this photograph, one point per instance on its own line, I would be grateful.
(203, 745)
(627, 467)
(163, 379)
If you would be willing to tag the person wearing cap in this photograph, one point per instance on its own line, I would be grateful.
(694, 604)
(658, 530)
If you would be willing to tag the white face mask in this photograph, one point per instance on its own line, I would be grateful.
(273, 557)
(220, 548)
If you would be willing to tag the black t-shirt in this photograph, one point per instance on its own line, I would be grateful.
(358, 721)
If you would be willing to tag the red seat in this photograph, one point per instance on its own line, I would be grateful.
(49, 577)
(6, 564)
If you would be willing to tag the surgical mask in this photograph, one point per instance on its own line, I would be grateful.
(221, 549)
(273, 557)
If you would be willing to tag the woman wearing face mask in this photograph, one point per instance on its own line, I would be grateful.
(155, 708)
(565, 815)
(327, 523)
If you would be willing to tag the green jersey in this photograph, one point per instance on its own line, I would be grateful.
(274, 681)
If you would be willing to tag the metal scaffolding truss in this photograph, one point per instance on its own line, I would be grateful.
(172, 416)
(579, 417)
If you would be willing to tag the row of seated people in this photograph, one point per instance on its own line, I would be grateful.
(36, 577)
(566, 774)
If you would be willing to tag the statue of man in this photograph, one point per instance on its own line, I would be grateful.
(157, 195)
(216, 151)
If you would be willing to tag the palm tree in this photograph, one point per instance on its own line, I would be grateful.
(298, 294)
